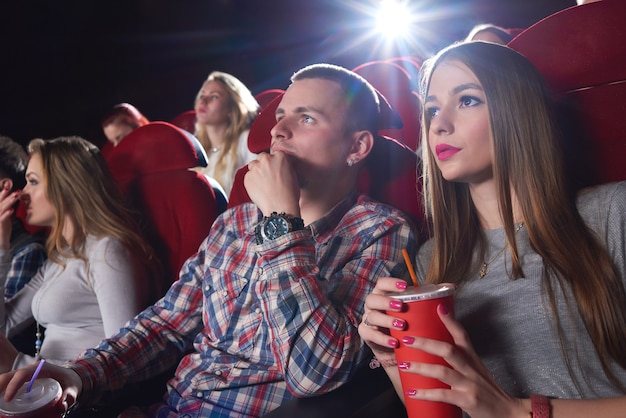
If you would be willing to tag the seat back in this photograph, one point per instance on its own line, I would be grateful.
(266, 96)
(582, 54)
(185, 120)
(399, 87)
(389, 175)
(176, 206)
(106, 148)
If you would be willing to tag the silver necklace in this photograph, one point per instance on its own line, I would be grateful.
(484, 269)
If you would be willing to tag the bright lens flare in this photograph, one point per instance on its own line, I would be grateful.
(393, 19)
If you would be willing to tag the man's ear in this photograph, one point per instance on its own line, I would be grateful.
(363, 142)
(6, 183)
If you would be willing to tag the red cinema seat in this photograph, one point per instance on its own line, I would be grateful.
(266, 96)
(582, 54)
(397, 85)
(410, 64)
(176, 205)
(185, 120)
(106, 149)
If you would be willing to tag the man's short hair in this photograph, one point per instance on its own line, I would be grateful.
(13, 161)
(363, 104)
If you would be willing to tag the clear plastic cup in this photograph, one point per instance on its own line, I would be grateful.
(40, 402)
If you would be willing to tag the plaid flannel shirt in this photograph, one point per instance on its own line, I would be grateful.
(27, 254)
(264, 322)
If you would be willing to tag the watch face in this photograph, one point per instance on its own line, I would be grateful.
(275, 227)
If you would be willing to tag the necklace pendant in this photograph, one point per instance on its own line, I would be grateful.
(483, 271)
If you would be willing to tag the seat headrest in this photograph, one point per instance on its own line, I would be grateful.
(266, 96)
(386, 76)
(578, 47)
(155, 147)
(395, 82)
(186, 120)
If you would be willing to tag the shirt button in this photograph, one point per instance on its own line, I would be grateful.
(199, 394)
(218, 373)
(207, 287)
(260, 270)
(257, 310)
(225, 293)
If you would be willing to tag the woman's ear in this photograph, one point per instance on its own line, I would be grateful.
(6, 183)
(363, 142)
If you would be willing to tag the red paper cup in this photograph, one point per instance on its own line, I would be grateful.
(40, 402)
(420, 315)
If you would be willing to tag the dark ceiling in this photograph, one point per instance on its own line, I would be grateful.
(65, 63)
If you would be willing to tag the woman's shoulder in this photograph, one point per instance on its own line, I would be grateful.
(603, 198)
(102, 245)
(603, 209)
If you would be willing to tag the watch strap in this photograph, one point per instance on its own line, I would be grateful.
(540, 406)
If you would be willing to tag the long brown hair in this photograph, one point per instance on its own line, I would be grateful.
(528, 160)
(79, 186)
(244, 109)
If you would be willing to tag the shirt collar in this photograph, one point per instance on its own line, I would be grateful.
(322, 228)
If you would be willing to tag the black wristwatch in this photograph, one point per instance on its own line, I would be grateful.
(276, 225)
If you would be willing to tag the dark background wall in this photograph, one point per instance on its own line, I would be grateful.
(64, 63)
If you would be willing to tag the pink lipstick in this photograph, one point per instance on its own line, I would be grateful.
(445, 151)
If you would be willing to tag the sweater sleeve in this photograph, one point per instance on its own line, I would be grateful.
(120, 285)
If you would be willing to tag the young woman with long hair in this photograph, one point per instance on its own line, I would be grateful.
(540, 302)
(225, 109)
(99, 274)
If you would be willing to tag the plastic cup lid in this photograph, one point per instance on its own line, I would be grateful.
(427, 291)
(43, 392)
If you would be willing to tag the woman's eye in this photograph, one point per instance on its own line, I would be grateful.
(431, 112)
(467, 101)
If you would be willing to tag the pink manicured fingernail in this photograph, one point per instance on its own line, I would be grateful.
(398, 323)
(395, 304)
(403, 365)
(401, 285)
(392, 342)
(408, 340)
(411, 392)
(442, 309)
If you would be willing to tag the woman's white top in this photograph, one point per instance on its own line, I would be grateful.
(77, 307)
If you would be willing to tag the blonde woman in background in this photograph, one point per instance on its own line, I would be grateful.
(225, 109)
(99, 273)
